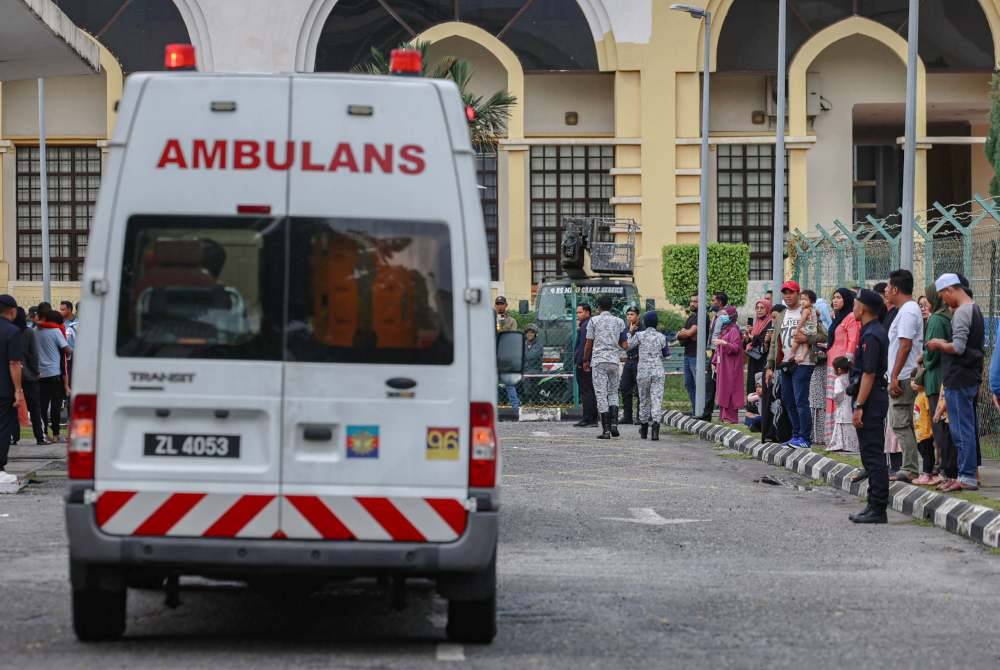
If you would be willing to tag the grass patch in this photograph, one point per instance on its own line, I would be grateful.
(977, 499)
(840, 457)
(923, 523)
(995, 551)
(817, 483)
(737, 456)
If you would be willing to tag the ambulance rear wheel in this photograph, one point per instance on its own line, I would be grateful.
(472, 621)
(98, 614)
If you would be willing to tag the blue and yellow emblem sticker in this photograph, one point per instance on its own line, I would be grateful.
(362, 441)
(442, 444)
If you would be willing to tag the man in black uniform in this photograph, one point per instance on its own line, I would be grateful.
(629, 386)
(871, 403)
(11, 393)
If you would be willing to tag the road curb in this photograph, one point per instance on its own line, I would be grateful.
(974, 522)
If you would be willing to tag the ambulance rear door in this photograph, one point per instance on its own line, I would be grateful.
(189, 403)
(376, 416)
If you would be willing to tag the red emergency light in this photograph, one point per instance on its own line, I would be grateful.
(405, 61)
(179, 57)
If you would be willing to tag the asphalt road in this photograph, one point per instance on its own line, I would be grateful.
(724, 573)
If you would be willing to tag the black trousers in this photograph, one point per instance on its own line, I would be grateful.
(948, 465)
(52, 392)
(630, 387)
(8, 428)
(709, 392)
(585, 382)
(871, 438)
(32, 396)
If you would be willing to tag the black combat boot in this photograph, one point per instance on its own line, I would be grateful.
(605, 426)
(614, 421)
(643, 430)
(655, 437)
(627, 410)
(871, 514)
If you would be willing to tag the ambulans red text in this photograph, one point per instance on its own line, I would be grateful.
(407, 159)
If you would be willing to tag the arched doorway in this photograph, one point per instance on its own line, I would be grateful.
(135, 31)
(545, 36)
(954, 35)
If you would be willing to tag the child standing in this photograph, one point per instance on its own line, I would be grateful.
(807, 326)
(844, 436)
(923, 428)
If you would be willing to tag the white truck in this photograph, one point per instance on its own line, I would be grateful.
(288, 365)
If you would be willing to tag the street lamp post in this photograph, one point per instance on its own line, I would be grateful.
(700, 372)
(778, 257)
(910, 141)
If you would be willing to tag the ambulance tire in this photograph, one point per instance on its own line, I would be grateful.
(475, 621)
(98, 614)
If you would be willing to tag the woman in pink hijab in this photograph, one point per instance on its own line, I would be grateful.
(728, 361)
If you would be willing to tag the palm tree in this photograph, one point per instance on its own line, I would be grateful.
(488, 117)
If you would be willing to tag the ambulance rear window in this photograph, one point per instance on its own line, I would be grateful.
(202, 287)
(369, 291)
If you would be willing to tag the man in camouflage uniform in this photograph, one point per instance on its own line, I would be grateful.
(602, 355)
(652, 347)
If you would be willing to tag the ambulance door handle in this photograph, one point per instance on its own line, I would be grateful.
(163, 413)
(400, 383)
(317, 434)
(222, 414)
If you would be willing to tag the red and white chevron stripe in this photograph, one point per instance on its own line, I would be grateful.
(165, 514)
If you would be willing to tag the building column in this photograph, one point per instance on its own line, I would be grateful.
(798, 189)
(512, 178)
(6, 158)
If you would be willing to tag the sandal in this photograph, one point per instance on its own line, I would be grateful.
(922, 480)
(935, 480)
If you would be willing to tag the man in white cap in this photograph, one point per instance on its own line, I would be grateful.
(963, 373)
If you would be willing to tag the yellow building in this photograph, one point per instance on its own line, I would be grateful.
(608, 120)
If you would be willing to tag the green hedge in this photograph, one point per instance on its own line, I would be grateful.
(728, 270)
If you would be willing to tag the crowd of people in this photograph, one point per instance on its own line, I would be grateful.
(35, 383)
(872, 371)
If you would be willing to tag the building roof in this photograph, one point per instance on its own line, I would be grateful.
(38, 40)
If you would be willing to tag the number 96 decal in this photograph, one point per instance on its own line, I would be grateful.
(443, 444)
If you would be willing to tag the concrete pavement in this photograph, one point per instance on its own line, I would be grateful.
(614, 554)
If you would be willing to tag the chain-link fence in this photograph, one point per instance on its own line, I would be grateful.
(963, 238)
(560, 390)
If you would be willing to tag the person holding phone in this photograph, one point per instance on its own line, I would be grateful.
(755, 342)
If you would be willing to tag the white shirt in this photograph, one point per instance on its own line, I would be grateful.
(909, 324)
(789, 323)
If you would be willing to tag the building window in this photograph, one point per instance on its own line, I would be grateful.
(746, 201)
(74, 177)
(486, 178)
(566, 180)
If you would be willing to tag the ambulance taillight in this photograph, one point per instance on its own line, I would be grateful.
(405, 62)
(82, 434)
(179, 57)
(482, 446)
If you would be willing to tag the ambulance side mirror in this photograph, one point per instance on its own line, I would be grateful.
(510, 356)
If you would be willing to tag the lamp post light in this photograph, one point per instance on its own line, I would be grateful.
(700, 372)
(910, 141)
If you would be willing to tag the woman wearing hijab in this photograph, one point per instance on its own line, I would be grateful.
(938, 327)
(844, 333)
(728, 361)
(756, 343)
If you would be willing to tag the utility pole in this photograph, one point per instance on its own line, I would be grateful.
(910, 141)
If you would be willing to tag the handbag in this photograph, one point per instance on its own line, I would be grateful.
(755, 354)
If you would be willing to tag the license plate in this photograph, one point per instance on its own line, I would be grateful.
(192, 446)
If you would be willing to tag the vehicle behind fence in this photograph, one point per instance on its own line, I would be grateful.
(963, 238)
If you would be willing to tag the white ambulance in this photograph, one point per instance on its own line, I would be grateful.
(288, 364)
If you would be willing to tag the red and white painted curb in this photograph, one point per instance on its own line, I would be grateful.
(306, 517)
